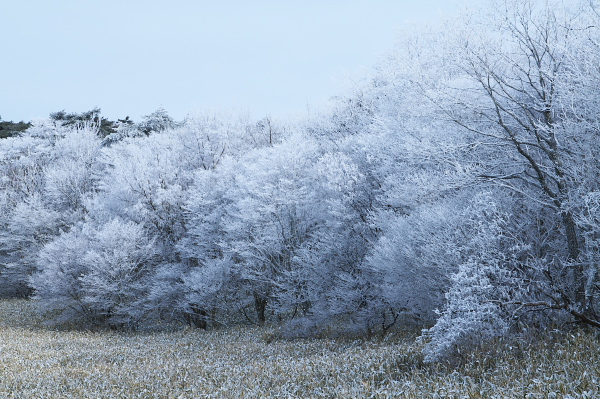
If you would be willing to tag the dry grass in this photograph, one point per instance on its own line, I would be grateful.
(241, 363)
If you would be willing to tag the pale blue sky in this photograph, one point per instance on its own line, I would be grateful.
(130, 57)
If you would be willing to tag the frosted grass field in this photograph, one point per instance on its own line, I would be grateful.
(247, 363)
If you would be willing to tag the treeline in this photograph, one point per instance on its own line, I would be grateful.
(94, 116)
(457, 187)
(8, 129)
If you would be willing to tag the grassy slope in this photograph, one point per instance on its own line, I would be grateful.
(243, 363)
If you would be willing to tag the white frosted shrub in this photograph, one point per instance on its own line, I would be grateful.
(96, 275)
(472, 314)
(57, 285)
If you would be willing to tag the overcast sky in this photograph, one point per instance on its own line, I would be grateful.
(130, 57)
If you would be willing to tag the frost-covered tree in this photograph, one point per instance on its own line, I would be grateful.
(414, 256)
(148, 180)
(530, 85)
(49, 171)
(157, 121)
(31, 225)
(26, 223)
(104, 127)
(203, 252)
(341, 289)
(285, 228)
(267, 217)
(96, 275)
(521, 83)
(486, 281)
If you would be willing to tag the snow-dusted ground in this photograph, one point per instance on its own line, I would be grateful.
(248, 363)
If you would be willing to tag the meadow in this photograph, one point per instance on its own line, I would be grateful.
(251, 362)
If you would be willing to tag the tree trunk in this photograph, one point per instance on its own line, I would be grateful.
(260, 305)
(197, 317)
(571, 235)
(574, 251)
